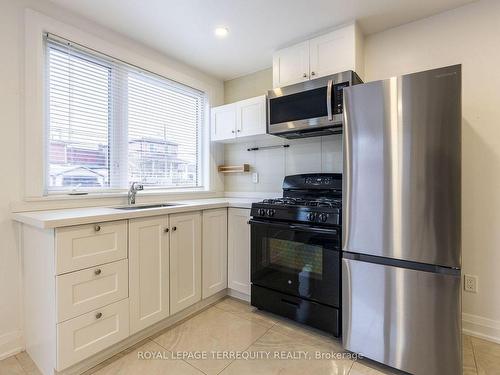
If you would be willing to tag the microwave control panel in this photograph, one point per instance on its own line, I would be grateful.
(338, 97)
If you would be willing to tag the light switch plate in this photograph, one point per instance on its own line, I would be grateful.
(255, 177)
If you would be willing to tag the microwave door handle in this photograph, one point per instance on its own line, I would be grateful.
(329, 99)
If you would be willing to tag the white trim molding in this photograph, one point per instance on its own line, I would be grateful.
(11, 343)
(483, 328)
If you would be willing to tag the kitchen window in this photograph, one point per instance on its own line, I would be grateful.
(110, 124)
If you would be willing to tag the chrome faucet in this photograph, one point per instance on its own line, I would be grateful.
(134, 188)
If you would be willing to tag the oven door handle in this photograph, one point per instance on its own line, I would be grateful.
(303, 228)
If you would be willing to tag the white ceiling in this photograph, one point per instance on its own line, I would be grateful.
(184, 29)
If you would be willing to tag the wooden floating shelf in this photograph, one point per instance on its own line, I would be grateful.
(234, 168)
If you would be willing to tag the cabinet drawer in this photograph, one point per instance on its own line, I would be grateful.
(90, 333)
(89, 245)
(83, 291)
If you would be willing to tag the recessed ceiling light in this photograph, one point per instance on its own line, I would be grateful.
(221, 31)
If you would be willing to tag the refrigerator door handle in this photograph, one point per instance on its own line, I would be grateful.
(346, 301)
(346, 179)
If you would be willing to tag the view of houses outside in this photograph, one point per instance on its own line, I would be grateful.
(152, 161)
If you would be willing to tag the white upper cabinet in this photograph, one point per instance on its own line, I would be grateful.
(240, 119)
(291, 65)
(331, 53)
(224, 122)
(251, 117)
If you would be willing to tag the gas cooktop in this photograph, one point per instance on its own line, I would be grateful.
(314, 199)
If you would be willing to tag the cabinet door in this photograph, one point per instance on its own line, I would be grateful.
(148, 271)
(185, 260)
(223, 121)
(214, 244)
(251, 117)
(238, 256)
(291, 65)
(333, 52)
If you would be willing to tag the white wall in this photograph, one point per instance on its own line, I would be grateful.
(469, 35)
(12, 142)
(308, 155)
(248, 86)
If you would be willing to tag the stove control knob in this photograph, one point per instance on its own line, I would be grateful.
(311, 216)
(323, 217)
(270, 212)
(262, 212)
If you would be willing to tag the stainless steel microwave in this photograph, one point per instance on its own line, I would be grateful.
(310, 108)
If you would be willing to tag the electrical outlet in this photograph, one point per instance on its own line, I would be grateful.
(255, 177)
(470, 283)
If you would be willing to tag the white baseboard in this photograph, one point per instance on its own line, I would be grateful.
(238, 295)
(11, 343)
(483, 328)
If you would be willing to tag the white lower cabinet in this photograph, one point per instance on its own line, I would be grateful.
(214, 247)
(148, 271)
(90, 333)
(238, 255)
(185, 260)
(88, 287)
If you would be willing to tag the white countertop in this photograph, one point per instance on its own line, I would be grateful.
(75, 216)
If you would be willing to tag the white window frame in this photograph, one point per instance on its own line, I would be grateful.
(35, 150)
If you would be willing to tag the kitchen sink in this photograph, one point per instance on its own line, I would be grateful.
(146, 206)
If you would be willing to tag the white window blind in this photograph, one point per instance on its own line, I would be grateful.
(111, 123)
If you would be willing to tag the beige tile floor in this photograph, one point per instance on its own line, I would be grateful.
(230, 326)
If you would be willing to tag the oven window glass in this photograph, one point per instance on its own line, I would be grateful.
(302, 258)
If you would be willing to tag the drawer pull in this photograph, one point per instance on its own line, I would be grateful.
(174, 229)
(166, 230)
(98, 315)
(98, 271)
(97, 228)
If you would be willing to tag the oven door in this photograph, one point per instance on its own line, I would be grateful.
(298, 260)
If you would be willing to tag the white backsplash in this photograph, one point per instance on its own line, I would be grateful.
(307, 155)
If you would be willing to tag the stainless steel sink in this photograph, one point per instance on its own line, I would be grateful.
(146, 206)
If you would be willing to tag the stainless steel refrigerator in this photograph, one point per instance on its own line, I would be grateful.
(401, 221)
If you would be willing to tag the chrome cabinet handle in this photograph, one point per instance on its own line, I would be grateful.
(232, 131)
(238, 130)
(174, 229)
(97, 227)
(166, 230)
(98, 315)
(97, 272)
(304, 75)
(329, 100)
(313, 73)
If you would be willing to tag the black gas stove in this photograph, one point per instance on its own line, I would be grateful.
(296, 251)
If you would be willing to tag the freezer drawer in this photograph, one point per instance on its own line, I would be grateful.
(401, 317)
